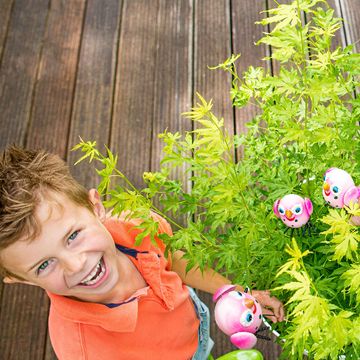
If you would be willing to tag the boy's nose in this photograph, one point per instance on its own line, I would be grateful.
(73, 263)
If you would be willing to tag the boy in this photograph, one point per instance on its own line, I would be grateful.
(109, 298)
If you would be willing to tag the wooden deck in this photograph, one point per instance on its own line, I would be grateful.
(118, 72)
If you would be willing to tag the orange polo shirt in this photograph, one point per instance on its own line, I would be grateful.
(156, 322)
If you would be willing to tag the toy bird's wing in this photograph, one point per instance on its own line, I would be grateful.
(243, 340)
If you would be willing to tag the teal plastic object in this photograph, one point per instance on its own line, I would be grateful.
(252, 354)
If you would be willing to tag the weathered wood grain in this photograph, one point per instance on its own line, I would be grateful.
(20, 61)
(134, 94)
(351, 14)
(23, 322)
(173, 72)
(212, 45)
(53, 96)
(339, 38)
(93, 97)
(172, 81)
(51, 110)
(350, 10)
(245, 34)
(5, 11)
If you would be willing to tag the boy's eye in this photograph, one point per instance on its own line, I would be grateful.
(43, 266)
(73, 235)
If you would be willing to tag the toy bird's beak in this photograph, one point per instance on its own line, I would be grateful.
(326, 186)
(288, 214)
(249, 303)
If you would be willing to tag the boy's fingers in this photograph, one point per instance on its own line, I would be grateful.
(278, 309)
(272, 303)
(282, 313)
(270, 316)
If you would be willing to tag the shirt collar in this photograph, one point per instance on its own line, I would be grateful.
(121, 318)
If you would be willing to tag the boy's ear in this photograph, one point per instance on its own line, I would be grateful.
(14, 280)
(99, 209)
(9, 280)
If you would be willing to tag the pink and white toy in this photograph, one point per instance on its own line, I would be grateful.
(293, 210)
(339, 189)
(237, 314)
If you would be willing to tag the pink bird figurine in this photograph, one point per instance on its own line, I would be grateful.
(293, 210)
(237, 314)
(339, 190)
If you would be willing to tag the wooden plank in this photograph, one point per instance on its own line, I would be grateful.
(134, 96)
(5, 11)
(21, 336)
(23, 31)
(351, 14)
(275, 65)
(340, 37)
(173, 67)
(245, 34)
(52, 102)
(19, 67)
(173, 77)
(92, 109)
(53, 96)
(212, 45)
(48, 129)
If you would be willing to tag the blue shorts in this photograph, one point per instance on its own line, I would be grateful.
(205, 343)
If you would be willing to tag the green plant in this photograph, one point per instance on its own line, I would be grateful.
(307, 122)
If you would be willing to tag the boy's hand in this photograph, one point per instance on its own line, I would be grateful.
(272, 308)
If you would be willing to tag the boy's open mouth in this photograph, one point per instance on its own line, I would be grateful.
(96, 276)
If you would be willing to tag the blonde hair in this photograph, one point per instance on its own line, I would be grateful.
(25, 176)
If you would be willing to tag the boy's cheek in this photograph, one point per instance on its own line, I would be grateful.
(55, 286)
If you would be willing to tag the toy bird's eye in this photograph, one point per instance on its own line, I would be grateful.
(281, 210)
(297, 209)
(335, 189)
(235, 294)
(246, 318)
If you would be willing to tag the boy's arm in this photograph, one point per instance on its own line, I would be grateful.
(210, 280)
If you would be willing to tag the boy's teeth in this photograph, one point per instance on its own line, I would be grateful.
(89, 280)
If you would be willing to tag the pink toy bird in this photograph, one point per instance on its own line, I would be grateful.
(339, 189)
(238, 314)
(293, 210)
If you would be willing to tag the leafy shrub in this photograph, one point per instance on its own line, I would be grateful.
(307, 122)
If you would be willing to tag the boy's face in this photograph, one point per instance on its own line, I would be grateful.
(74, 255)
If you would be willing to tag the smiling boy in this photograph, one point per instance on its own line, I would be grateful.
(109, 298)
